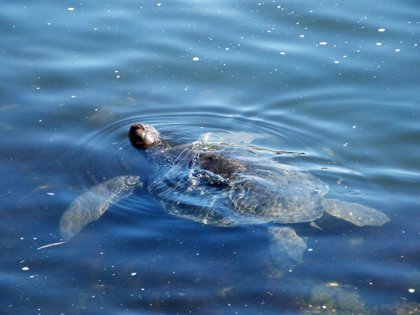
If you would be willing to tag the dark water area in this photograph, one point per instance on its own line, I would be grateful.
(336, 81)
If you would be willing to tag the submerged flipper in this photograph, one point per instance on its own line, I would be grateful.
(286, 247)
(92, 204)
(355, 213)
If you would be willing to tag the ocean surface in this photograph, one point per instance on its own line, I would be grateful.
(336, 82)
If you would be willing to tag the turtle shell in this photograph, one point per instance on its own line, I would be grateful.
(223, 185)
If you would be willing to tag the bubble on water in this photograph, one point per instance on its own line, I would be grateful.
(411, 290)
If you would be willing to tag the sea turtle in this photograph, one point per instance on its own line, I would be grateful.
(224, 181)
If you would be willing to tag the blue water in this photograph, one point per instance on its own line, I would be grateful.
(337, 81)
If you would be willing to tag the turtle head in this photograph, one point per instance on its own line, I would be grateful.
(143, 136)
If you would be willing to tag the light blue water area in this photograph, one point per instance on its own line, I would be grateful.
(336, 83)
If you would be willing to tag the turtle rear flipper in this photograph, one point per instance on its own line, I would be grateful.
(355, 213)
(286, 247)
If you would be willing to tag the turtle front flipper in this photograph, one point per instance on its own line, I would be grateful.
(286, 247)
(355, 213)
(92, 204)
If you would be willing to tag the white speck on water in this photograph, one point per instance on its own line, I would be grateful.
(32, 276)
(397, 50)
(283, 53)
(381, 30)
(22, 238)
(50, 193)
(336, 61)
(301, 36)
(38, 88)
(196, 58)
(345, 144)
(158, 4)
(227, 48)
(133, 274)
(48, 23)
(40, 120)
(70, 9)
(25, 268)
(323, 43)
(411, 290)
(378, 44)
(310, 249)
(73, 96)
(354, 126)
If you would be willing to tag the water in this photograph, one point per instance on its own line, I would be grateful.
(333, 80)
